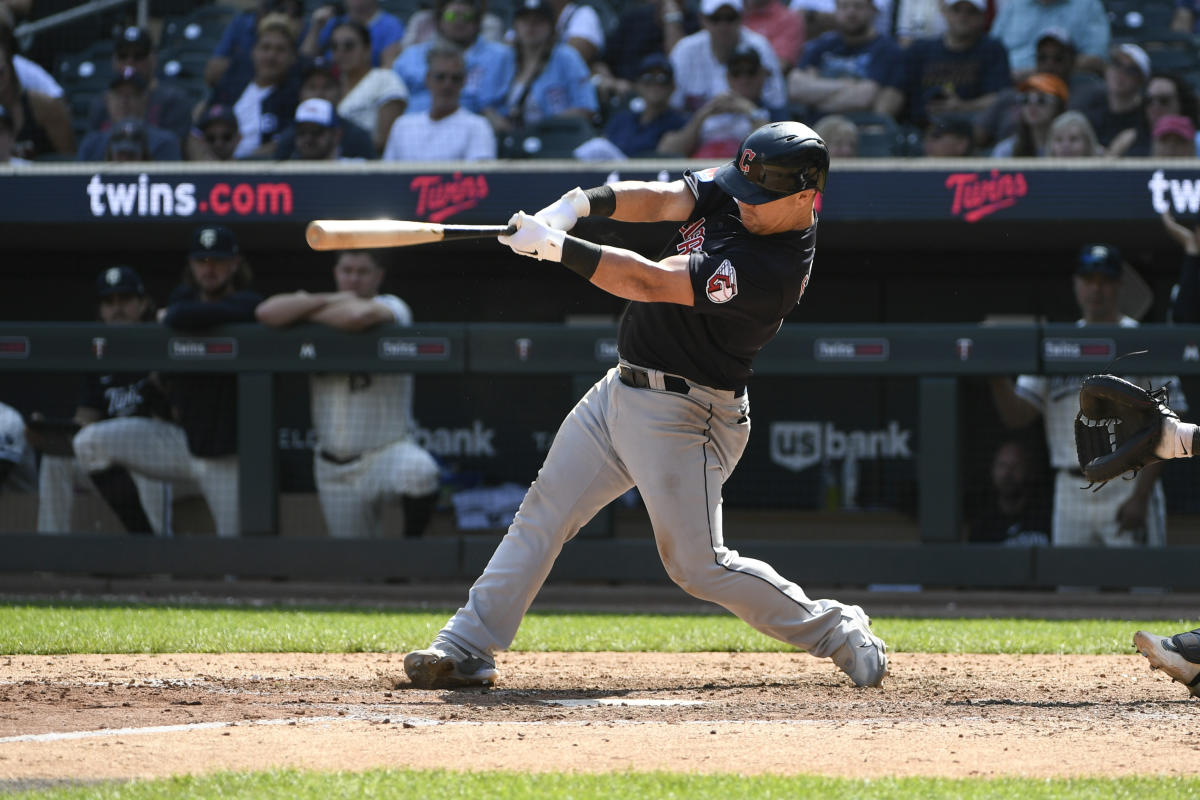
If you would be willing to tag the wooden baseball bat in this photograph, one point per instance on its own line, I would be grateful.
(352, 234)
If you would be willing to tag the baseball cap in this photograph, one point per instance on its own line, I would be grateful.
(128, 137)
(316, 111)
(216, 113)
(744, 54)
(656, 62)
(710, 7)
(1176, 124)
(1135, 54)
(133, 39)
(1099, 259)
(119, 280)
(127, 75)
(213, 241)
(1047, 84)
(320, 64)
(534, 7)
(1057, 34)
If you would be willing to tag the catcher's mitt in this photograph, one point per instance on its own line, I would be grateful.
(1118, 427)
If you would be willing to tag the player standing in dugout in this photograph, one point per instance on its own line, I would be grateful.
(673, 417)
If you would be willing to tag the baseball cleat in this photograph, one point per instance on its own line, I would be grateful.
(863, 656)
(1178, 656)
(447, 666)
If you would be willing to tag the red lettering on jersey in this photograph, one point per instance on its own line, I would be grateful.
(692, 236)
(744, 161)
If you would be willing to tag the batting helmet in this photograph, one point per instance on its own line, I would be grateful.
(777, 160)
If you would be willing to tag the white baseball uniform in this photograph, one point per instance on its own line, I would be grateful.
(1087, 517)
(13, 448)
(366, 455)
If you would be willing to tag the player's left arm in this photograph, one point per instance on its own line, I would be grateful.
(353, 314)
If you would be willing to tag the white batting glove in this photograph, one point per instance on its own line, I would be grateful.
(563, 213)
(534, 239)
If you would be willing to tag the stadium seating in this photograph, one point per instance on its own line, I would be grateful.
(199, 30)
(556, 137)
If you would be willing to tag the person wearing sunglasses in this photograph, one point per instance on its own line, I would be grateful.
(700, 60)
(215, 136)
(716, 129)
(445, 131)
(1170, 93)
(167, 107)
(372, 97)
(386, 30)
(842, 70)
(129, 138)
(490, 64)
(1018, 22)
(1043, 97)
(638, 129)
(1116, 108)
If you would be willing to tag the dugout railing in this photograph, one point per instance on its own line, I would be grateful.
(935, 356)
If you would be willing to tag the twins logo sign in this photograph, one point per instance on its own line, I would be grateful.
(722, 284)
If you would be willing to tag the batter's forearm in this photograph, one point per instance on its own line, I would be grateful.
(628, 275)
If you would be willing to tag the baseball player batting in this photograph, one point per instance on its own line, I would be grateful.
(672, 417)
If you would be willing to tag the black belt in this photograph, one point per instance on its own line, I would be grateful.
(640, 379)
(339, 460)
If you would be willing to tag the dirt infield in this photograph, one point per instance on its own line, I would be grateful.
(125, 716)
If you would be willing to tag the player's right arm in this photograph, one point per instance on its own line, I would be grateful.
(1015, 411)
(353, 314)
(286, 309)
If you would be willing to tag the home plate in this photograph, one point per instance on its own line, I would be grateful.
(591, 702)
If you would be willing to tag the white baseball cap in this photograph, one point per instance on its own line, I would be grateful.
(318, 112)
(710, 7)
(1137, 55)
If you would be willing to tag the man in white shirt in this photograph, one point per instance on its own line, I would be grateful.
(446, 132)
(700, 60)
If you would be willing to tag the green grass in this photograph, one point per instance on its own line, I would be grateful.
(294, 785)
(89, 627)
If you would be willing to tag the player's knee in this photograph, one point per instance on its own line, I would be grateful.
(86, 445)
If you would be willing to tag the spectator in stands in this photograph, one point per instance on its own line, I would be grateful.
(578, 25)
(783, 28)
(200, 445)
(385, 30)
(215, 136)
(960, 72)
(139, 503)
(18, 463)
(1170, 93)
(717, 128)
(1043, 97)
(1055, 56)
(318, 132)
(42, 123)
(1187, 16)
(270, 98)
(490, 65)
(425, 23)
(128, 137)
(1018, 23)
(446, 131)
(30, 73)
(551, 79)
(1016, 510)
(644, 29)
(1174, 137)
(232, 63)
(372, 97)
(1116, 109)
(1072, 136)
(699, 60)
(167, 108)
(320, 80)
(819, 16)
(7, 138)
(1185, 295)
(840, 135)
(948, 136)
(844, 69)
(367, 453)
(923, 19)
(638, 129)
(1126, 513)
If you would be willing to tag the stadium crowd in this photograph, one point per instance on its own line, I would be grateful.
(465, 80)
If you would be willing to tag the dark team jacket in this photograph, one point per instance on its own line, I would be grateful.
(744, 286)
(123, 394)
(206, 403)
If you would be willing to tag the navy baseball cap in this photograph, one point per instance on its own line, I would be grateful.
(133, 40)
(656, 62)
(1099, 259)
(534, 7)
(217, 113)
(119, 280)
(213, 241)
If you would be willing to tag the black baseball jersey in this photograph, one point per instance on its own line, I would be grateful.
(744, 286)
(123, 394)
(206, 403)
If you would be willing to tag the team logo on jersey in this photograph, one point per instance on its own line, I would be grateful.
(722, 284)
(744, 161)
(691, 236)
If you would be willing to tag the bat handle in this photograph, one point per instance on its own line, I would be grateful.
(509, 230)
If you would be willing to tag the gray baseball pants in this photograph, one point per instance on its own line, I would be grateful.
(678, 450)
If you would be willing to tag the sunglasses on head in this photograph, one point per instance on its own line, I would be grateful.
(726, 17)
(1038, 99)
